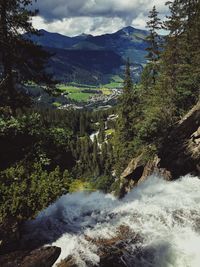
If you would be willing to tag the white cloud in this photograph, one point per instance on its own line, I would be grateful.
(60, 9)
(76, 26)
(73, 17)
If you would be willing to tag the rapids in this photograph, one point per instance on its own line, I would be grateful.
(165, 214)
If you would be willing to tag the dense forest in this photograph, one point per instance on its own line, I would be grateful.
(46, 153)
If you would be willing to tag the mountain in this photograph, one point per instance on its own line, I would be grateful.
(94, 59)
(84, 66)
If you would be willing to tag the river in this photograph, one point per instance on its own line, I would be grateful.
(165, 214)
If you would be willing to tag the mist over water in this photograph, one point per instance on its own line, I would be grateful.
(165, 214)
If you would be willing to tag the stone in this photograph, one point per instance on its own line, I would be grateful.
(42, 257)
(68, 262)
(179, 155)
(180, 151)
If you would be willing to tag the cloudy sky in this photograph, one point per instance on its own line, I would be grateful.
(73, 17)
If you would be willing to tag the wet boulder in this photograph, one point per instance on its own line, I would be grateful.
(42, 257)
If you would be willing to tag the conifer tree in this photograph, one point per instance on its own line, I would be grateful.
(125, 124)
(101, 135)
(153, 39)
(95, 151)
(126, 106)
(82, 125)
(180, 68)
(17, 52)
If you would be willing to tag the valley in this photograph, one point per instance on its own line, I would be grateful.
(94, 60)
(99, 134)
(78, 96)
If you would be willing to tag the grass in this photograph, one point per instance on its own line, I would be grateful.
(113, 85)
(56, 104)
(106, 91)
(75, 91)
(80, 185)
(116, 82)
(79, 96)
(109, 131)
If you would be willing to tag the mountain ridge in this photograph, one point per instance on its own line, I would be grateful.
(127, 42)
(124, 29)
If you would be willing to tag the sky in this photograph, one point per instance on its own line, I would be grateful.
(74, 17)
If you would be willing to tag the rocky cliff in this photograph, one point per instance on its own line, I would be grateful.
(179, 154)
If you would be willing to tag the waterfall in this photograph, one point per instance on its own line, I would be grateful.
(166, 215)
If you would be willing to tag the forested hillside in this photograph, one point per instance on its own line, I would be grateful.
(46, 153)
(91, 59)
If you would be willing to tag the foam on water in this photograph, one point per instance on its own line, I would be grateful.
(165, 214)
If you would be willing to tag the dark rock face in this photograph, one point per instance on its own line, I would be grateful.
(43, 257)
(178, 156)
(69, 262)
(14, 254)
(180, 153)
(137, 171)
(9, 235)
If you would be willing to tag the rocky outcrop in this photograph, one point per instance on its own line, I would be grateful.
(68, 262)
(14, 254)
(137, 171)
(178, 156)
(113, 252)
(9, 235)
(180, 152)
(42, 257)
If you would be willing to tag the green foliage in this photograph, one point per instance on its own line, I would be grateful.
(39, 148)
(26, 190)
(101, 135)
(125, 128)
(17, 52)
(153, 49)
(180, 71)
(104, 183)
(80, 185)
(115, 187)
(169, 85)
(59, 136)
(31, 137)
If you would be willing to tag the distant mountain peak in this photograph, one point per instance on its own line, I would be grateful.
(129, 30)
(44, 32)
(83, 36)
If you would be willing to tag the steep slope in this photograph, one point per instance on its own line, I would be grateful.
(94, 59)
(127, 42)
(178, 156)
(55, 40)
(84, 66)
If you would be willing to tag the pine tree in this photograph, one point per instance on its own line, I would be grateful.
(17, 52)
(95, 150)
(154, 42)
(126, 107)
(101, 135)
(82, 125)
(125, 124)
(180, 53)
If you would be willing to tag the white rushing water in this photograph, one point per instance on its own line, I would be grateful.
(165, 214)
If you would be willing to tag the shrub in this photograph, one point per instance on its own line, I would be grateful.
(26, 191)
